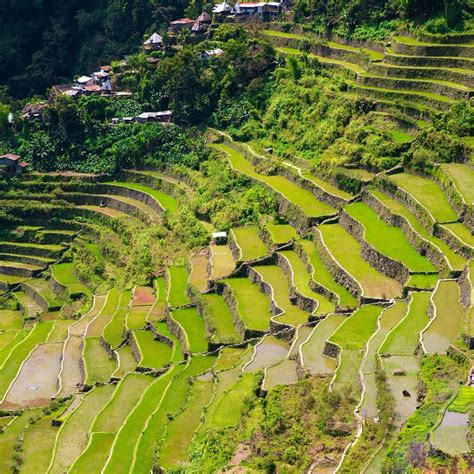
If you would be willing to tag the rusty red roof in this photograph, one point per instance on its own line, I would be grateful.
(10, 156)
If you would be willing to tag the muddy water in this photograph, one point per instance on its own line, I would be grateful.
(268, 353)
(313, 358)
(449, 313)
(71, 374)
(283, 373)
(451, 434)
(37, 380)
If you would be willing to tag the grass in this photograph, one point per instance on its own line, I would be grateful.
(178, 283)
(229, 410)
(455, 261)
(154, 354)
(113, 331)
(31, 309)
(463, 401)
(8, 340)
(354, 333)
(347, 375)
(404, 338)
(166, 201)
(328, 187)
(295, 194)
(162, 329)
(198, 276)
(64, 274)
(125, 398)
(222, 261)
(281, 233)
(122, 454)
(194, 328)
(253, 305)
(173, 402)
(42, 287)
(463, 177)
(137, 317)
(389, 240)
(275, 277)
(126, 360)
(94, 457)
(301, 280)
(10, 320)
(347, 252)
(98, 365)
(37, 446)
(73, 434)
(428, 193)
(312, 349)
(181, 429)
(14, 360)
(251, 245)
(461, 232)
(219, 320)
(322, 276)
(423, 282)
(444, 329)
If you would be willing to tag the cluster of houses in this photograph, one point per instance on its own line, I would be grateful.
(265, 11)
(98, 83)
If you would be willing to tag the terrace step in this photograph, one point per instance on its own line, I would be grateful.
(429, 61)
(39, 290)
(29, 260)
(17, 269)
(412, 47)
(9, 281)
(63, 279)
(37, 250)
(246, 244)
(455, 75)
(28, 306)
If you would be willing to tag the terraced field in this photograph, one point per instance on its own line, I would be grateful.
(336, 302)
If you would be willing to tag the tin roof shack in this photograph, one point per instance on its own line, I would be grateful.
(181, 24)
(220, 238)
(70, 89)
(267, 11)
(222, 9)
(12, 164)
(33, 111)
(162, 117)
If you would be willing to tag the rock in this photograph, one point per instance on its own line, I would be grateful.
(399, 372)
(406, 393)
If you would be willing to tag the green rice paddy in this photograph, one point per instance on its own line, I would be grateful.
(322, 276)
(252, 305)
(251, 245)
(463, 177)
(463, 401)
(99, 366)
(154, 354)
(275, 277)
(347, 252)
(177, 285)
(389, 240)
(281, 233)
(193, 327)
(64, 274)
(428, 193)
(294, 193)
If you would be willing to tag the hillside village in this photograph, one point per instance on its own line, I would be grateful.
(244, 245)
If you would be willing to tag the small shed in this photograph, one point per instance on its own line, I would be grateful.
(85, 81)
(12, 164)
(155, 41)
(220, 238)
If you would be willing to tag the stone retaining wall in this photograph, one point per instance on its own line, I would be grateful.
(432, 50)
(403, 72)
(153, 182)
(448, 38)
(376, 259)
(175, 328)
(331, 350)
(338, 273)
(424, 247)
(424, 217)
(456, 200)
(454, 242)
(316, 287)
(426, 61)
(305, 303)
(34, 295)
(31, 251)
(134, 347)
(109, 201)
(420, 85)
(234, 247)
(56, 287)
(18, 272)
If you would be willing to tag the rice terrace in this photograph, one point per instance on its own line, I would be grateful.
(237, 237)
